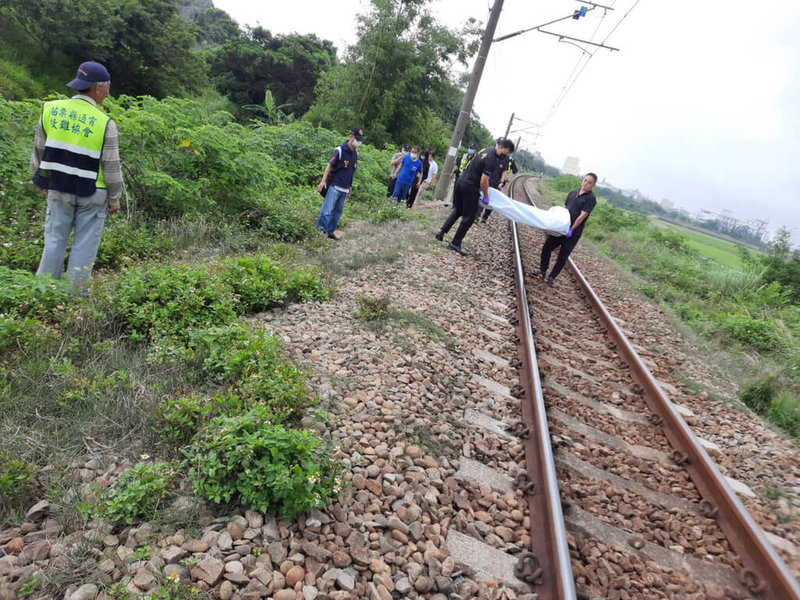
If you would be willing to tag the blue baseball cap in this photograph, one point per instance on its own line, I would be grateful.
(88, 74)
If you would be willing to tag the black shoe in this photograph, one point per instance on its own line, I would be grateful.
(458, 249)
(439, 235)
(550, 281)
(483, 221)
(333, 236)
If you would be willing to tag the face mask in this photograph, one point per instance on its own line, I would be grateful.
(356, 143)
(470, 151)
(413, 156)
(405, 152)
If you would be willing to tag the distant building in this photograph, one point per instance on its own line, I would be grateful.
(572, 166)
(668, 204)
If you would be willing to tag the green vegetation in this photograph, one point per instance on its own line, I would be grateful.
(265, 466)
(724, 252)
(138, 493)
(749, 310)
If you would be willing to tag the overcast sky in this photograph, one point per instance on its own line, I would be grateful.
(701, 105)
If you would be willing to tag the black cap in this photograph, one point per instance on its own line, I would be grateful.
(358, 133)
(406, 147)
(473, 145)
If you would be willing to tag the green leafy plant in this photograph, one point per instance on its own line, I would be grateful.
(373, 309)
(24, 293)
(138, 492)
(16, 482)
(264, 466)
(253, 365)
(166, 302)
(29, 587)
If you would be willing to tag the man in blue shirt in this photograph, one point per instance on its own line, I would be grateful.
(338, 177)
(410, 169)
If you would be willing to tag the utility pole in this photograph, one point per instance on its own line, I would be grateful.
(469, 98)
(510, 121)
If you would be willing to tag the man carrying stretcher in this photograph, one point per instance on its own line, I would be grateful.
(563, 225)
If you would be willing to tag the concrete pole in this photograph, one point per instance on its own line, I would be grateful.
(508, 129)
(469, 98)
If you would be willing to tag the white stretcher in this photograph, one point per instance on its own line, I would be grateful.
(555, 220)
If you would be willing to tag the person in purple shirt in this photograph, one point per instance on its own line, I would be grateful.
(410, 170)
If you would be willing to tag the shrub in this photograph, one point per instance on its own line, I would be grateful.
(760, 334)
(166, 302)
(305, 283)
(261, 282)
(265, 467)
(16, 483)
(180, 418)
(253, 365)
(373, 309)
(123, 244)
(24, 334)
(759, 393)
(22, 293)
(784, 411)
(138, 492)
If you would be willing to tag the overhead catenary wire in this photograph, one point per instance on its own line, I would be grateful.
(581, 64)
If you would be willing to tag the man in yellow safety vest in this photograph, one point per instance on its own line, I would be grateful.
(75, 163)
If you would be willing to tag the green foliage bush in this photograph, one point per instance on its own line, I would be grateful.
(263, 466)
(762, 334)
(784, 411)
(566, 183)
(253, 365)
(16, 483)
(759, 393)
(25, 294)
(124, 244)
(261, 282)
(166, 302)
(138, 492)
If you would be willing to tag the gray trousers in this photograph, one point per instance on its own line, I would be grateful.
(85, 217)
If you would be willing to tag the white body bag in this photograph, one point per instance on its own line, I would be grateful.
(555, 220)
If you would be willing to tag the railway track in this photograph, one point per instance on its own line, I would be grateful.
(646, 514)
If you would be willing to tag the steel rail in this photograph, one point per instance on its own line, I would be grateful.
(764, 573)
(549, 566)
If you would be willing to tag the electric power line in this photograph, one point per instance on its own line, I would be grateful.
(573, 77)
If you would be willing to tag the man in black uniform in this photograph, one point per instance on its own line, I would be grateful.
(475, 180)
(493, 183)
(579, 203)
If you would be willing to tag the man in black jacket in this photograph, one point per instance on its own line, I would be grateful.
(488, 163)
(579, 203)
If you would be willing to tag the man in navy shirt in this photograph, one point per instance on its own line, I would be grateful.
(488, 163)
(579, 203)
(340, 170)
(410, 171)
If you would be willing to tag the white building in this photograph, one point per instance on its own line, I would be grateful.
(572, 166)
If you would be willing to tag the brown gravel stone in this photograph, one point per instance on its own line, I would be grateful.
(195, 546)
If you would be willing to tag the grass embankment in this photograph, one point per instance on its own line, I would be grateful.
(738, 310)
(160, 367)
(722, 251)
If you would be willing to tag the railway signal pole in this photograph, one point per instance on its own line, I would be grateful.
(469, 98)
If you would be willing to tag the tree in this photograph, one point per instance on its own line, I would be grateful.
(146, 45)
(152, 53)
(288, 65)
(215, 27)
(53, 24)
(395, 80)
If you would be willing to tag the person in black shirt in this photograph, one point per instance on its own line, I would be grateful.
(579, 203)
(489, 162)
(512, 168)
